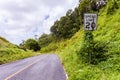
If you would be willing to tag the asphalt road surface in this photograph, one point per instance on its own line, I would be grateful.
(43, 67)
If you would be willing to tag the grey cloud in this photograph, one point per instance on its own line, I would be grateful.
(15, 6)
(22, 19)
(54, 3)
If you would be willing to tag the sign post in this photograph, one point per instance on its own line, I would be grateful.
(90, 24)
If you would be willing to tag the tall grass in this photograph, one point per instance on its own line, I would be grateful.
(108, 34)
(13, 54)
(10, 52)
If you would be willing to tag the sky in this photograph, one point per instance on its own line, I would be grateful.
(22, 19)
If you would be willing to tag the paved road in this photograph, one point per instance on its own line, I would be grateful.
(43, 67)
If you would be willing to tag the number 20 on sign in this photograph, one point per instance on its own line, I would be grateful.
(90, 21)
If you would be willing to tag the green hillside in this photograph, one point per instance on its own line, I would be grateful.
(3, 42)
(10, 52)
(106, 48)
(108, 33)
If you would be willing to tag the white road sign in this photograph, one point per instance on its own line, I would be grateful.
(90, 21)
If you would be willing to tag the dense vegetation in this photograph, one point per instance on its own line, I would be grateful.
(32, 44)
(66, 26)
(104, 44)
(44, 40)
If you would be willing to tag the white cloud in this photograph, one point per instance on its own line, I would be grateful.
(22, 19)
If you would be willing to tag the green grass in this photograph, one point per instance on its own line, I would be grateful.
(10, 52)
(108, 32)
(13, 54)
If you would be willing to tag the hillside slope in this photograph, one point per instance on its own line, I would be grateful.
(10, 52)
(108, 33)
(107, 38)
(3, 42)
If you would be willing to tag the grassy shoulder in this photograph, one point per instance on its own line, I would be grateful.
(108, 33)
(13, 54)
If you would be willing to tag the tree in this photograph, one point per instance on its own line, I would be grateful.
(84, 7)
(32, 44)
(67, 26)
(45, 40)
(69, 12)
(54, 29)
(22, 46)
(94, 6)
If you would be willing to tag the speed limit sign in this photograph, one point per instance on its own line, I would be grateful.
(90, 21)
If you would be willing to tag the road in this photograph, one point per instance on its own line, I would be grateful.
(43, 67)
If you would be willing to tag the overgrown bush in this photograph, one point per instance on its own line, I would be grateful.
(99, 52)
(45, 40)
(86, 49)
(92, 51)
(51, 47)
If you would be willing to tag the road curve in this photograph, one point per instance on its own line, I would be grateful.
(43, 67)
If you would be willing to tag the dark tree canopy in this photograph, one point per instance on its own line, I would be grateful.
(32, 45)
(67, 26)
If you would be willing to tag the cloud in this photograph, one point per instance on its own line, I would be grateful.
(22, 19)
